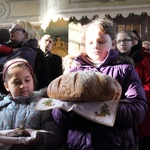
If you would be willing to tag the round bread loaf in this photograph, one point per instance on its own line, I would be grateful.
(84, 86)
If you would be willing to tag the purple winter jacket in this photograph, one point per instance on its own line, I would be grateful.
(83, 134)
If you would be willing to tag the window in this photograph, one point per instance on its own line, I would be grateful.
(136, 22)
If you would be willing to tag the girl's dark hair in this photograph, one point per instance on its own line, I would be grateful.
(139, 45)
(17, 62)
(127, 32)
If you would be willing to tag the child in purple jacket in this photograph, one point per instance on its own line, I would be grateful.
(99, 56)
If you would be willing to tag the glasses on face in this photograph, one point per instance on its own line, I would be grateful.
(50, 41)
(124, 41)
(15, 29)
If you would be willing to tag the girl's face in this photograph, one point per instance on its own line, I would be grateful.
(17, 34)
(20, 82)
(97, 43)
(123, 43)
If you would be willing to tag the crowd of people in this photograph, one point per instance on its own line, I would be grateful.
(27, 67)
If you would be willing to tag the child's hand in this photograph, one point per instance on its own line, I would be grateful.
(34, 142)
(69, 63)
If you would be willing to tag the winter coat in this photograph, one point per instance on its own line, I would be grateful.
(28, 50)
(142, 66)
(27, 53)
(54, 64)
(15, 111)
(83, 134)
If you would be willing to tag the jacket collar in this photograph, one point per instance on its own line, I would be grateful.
(5, 102)
(111, 56)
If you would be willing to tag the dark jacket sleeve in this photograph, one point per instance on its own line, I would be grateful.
(58, 66)
(41, 70)
(63, 118)
(26, 53)
(55, 66)
(54, 138)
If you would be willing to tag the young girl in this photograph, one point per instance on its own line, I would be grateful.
(142, 67)
(99, 56)
(17, 108)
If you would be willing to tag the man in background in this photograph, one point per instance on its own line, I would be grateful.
(54, 61)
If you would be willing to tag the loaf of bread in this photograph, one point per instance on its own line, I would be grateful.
(84, 86)
(17, 133)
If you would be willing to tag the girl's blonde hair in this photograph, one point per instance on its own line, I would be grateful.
(17, 62)
(28, 28)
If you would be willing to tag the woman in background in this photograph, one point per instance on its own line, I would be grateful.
(23, 43)
(126, 45)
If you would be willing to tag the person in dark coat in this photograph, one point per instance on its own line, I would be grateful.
(54, 61)
(23, 43)
(98, 56)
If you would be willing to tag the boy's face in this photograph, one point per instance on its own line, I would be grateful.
(20, 82)
(97, 43)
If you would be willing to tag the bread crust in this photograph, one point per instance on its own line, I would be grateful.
(84, 86)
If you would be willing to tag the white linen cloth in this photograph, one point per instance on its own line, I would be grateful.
(6, 142)
(100, 112)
